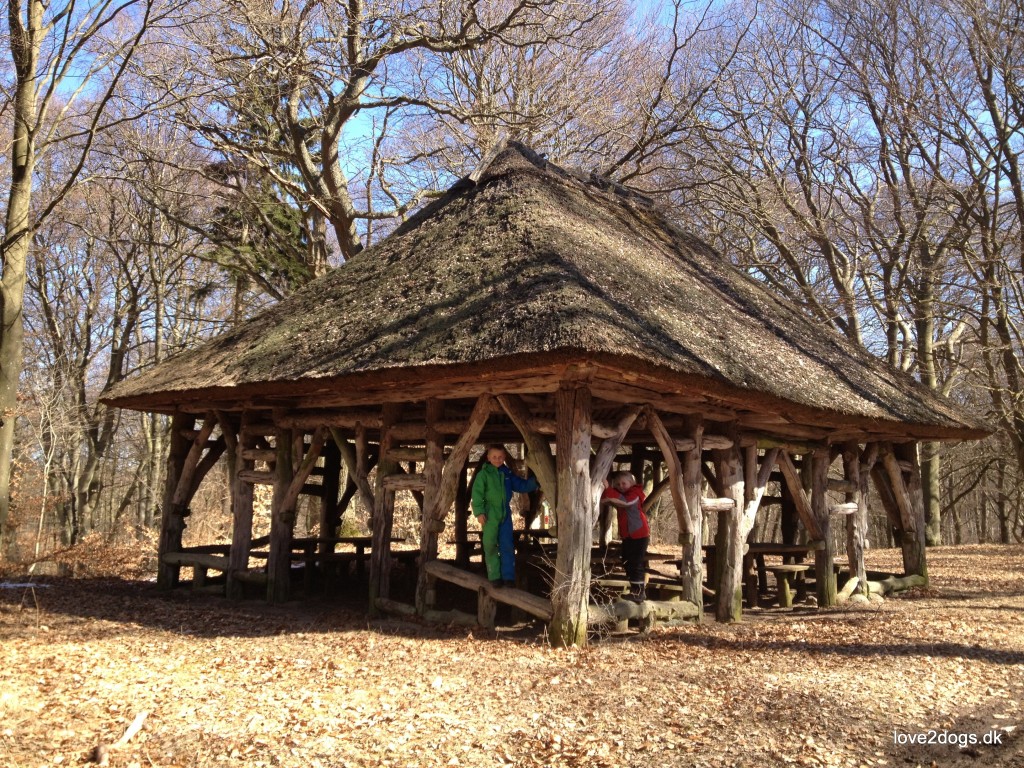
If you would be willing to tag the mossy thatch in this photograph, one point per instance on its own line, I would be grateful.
(531, 262)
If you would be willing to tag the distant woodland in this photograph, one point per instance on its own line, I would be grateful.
(174, 166)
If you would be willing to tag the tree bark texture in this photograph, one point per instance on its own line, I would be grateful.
(172, 521)
(729, 468)
(570, 593)
(824, 572)
(26, 35)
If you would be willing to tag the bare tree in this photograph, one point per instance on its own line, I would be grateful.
(68, 61)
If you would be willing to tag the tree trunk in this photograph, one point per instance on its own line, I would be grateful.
(25, 42)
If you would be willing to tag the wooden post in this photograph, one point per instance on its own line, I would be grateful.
(538, 457)
(462, 518)
(241, 509)
(330, 512)
(432, 516)
(729, 467)
(692, 539)
(172, 517)
(384, 512)
(857, 523)
(570, 591)
(279, 557)
(824, 572)
(789, 520)
(914, 558)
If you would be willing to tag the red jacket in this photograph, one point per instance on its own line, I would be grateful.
(632, 520)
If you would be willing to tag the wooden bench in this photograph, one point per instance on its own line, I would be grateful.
(785, 576)
(199, 562)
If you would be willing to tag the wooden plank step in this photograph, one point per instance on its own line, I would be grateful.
(532, 604)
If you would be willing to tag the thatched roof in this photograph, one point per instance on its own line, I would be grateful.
(534, 266)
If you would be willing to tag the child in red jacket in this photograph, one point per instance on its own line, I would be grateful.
(628, 498)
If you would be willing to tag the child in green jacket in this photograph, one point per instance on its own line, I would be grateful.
(492, 493)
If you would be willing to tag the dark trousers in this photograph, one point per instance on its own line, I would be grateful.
(634, 555)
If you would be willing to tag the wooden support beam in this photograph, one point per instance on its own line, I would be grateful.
(241, 511)
(794, 484)
(674, 469)
(457, 458)
(357, 464)
(691, 539)
(405, 481)
(856, 523)
(383, 514)
(730, 540)
(408, 454)
(172, 516)
(602, 464)
(281, 521)
(721, 504)
(914, 554)
(825, 575)
(305, 468)
(186, 487)
(215, 449)
(538, 453)
(899, 488)
(546, 426)
(255, 477)
(759, 479)
(712, 478)
(433, 475)
(307, 420)
(268, 455)
(330, 510)
(841, 486)
(571, 585)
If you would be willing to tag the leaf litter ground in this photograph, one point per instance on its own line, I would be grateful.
(317, 684)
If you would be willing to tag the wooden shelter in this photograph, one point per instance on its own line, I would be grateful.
(570, 314)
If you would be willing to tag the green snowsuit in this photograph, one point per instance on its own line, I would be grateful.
(492, 492)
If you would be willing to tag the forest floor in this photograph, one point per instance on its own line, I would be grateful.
(317, 684)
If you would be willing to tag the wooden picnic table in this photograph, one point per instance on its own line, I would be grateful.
(755, 571)
(317, 552)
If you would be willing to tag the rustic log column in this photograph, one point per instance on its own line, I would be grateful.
(172, 518)
(358, 464)
(570, 591)
(330, 510)
(384, 512)
(432, 521)
(857, 523)
(279, 557)
(241, 509)
(690, 574)
(914, 557)
(789, 520)
(602, 464)
(538, 455)
(462, 518)
(729, 471)
(824, 572)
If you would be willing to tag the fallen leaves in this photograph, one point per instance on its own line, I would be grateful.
(225, 689)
